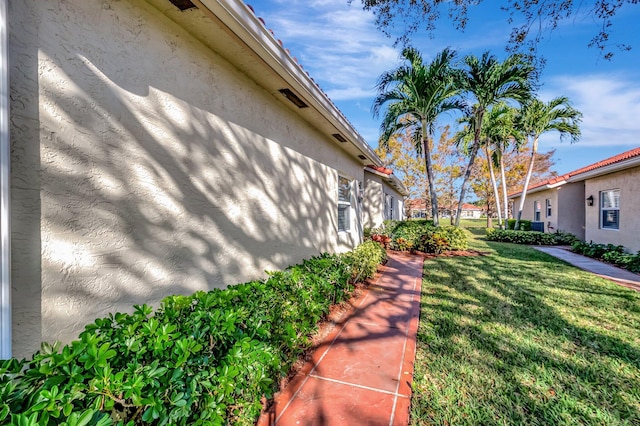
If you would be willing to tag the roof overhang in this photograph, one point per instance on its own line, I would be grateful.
(391, 179)
(233, 31)
(605, 170)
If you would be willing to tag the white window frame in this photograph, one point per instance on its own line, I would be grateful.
(537, 214)
(604, 209)
(343, 203)
(547, 207)
(5, 222)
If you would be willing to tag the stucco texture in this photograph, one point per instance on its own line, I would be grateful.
(375, 189)
(567, 208)
(628, 235)
(146, 165)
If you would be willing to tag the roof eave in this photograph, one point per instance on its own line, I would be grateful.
(236, 16)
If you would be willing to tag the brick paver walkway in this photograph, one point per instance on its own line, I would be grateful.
(361, 374)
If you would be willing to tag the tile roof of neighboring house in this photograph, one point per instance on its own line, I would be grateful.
(380, 169)
(575, 175)
(417, 204)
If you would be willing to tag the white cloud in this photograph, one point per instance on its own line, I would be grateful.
(610, 105)
(339, 45)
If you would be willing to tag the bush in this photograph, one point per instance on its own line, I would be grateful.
(525, 225)
(207, 358)
(422, 235)
(364, 260)
(609, 253)
(525, 237)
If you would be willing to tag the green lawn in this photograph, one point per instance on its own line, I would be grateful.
(518, 337)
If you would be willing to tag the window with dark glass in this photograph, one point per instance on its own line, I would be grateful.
(610, 209)
(547, 204)
(536, 211)
(344, 203)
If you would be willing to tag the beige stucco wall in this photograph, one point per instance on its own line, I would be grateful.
(541, 196)
(373, 201)
(628, 182)
(567, 211)
(145, 165)
(375, 190)
(571, 209)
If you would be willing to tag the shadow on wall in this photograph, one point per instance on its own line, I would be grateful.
(134, 194)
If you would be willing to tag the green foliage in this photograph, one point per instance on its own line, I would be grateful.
(203, 359)
(422, 235)
(525, 225)
(364, 260)
(609, 253)
(529, 237)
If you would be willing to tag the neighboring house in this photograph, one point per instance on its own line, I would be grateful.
(159, 151)
(599, 202)
(469, 211)
(383, 196)
(419, 210)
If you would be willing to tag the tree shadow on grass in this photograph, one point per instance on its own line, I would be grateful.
(522, 343)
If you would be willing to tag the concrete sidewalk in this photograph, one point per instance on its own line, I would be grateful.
(361, 373)
(604, 270)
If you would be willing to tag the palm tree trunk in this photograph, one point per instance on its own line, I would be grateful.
(534, 149)
(492, 176)
(505, 199)
(432, 188)
(467, 175)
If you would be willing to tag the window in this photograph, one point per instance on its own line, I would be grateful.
(536, 211)
(547, 204)
(388, 207)
(344, 204)
(610, 209)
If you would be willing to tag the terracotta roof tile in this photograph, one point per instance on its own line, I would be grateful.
(635, 152)
(380, 169)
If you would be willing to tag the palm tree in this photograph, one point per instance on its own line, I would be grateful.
(415, 94)
(500, 132)
(536, 118)
(489, 81)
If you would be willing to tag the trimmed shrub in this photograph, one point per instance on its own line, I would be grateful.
(364, 260)
(423, 236)
(525, 237)
(525, 225)
(203, 359)
(608, 253)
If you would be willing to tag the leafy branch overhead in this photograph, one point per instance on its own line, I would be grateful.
(530, 20)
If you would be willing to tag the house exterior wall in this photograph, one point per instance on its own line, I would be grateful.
(628, 182)
(528, 209)
(373, 201)
(376, 189)
(570, 211)
(397, 213)
(146, 165)
(567, 208)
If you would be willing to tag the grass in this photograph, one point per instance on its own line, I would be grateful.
(517, 337)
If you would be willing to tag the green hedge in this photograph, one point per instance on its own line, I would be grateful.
(530, 237)
(204, 359)
(525, 225)
(609, 253)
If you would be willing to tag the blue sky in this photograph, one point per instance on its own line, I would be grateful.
(342, 50)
